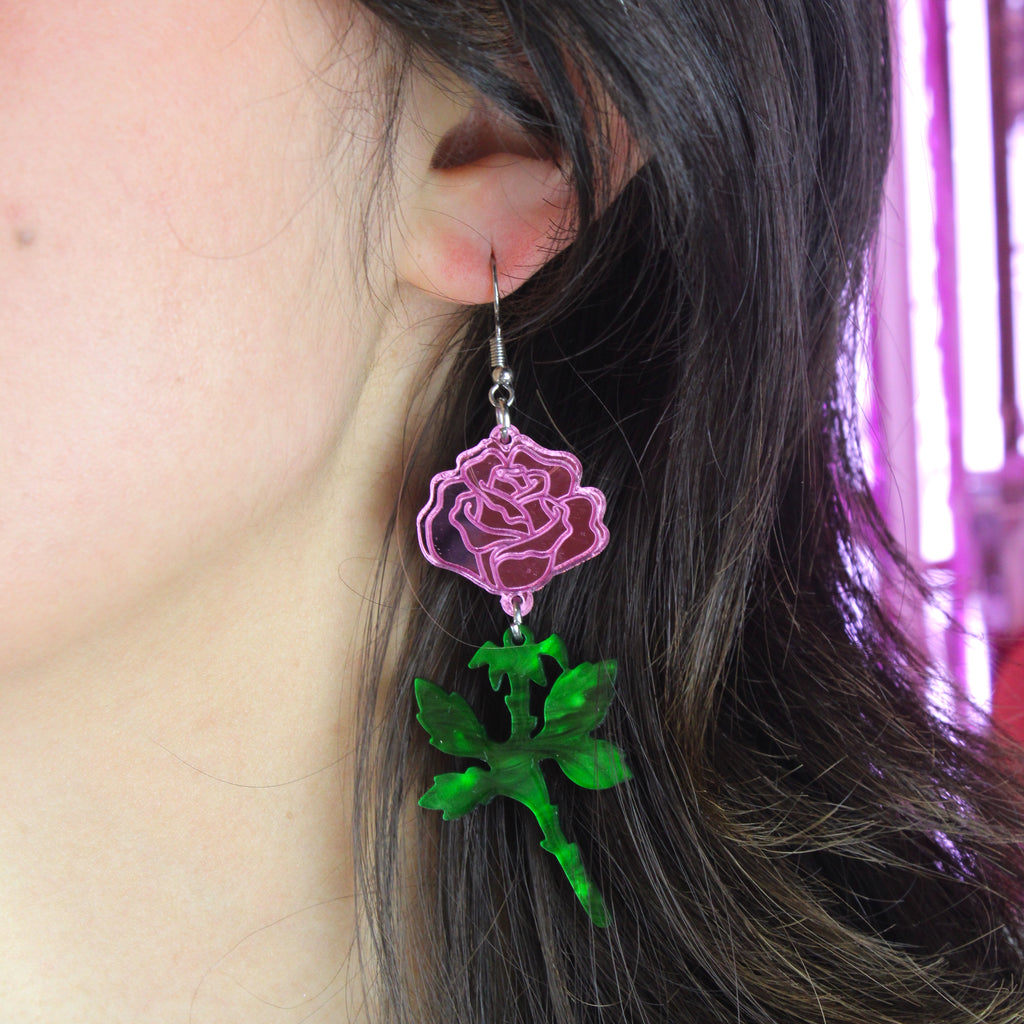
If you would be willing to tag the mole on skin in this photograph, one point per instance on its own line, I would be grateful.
(24, 237)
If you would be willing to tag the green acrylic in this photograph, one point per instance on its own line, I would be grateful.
(574, 707)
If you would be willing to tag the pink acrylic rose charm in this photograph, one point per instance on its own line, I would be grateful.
(511, 515)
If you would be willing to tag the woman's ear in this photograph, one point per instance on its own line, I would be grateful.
(471, 182)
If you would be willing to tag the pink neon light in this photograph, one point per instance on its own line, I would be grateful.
(510, 516)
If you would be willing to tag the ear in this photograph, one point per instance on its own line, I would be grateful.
(471, 182)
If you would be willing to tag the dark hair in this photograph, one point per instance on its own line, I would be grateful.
(803, 840)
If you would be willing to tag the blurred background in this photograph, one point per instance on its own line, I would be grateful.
(943, 380)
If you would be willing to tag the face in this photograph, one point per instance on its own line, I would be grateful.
(178, 325)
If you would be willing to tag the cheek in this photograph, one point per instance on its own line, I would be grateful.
(165, 380)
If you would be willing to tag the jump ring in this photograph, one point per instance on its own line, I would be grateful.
(516, 629)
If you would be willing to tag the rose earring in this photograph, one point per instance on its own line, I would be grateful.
(509, 517)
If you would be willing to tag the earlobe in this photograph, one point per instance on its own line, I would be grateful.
(516, 207)
(473, 187)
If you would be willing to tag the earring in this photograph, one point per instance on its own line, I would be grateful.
(509, 517)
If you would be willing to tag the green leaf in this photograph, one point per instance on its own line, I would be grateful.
(457, 793)
(595, 764)
(521, 660)
(450, 721)
(577, 703)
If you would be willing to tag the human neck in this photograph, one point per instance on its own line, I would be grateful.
(174, 835)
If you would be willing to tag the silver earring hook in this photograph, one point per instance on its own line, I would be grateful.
(502, 394)
(497, 342)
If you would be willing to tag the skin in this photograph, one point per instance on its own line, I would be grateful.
(202, 405)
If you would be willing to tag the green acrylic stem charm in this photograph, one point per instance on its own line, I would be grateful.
(575, 705)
